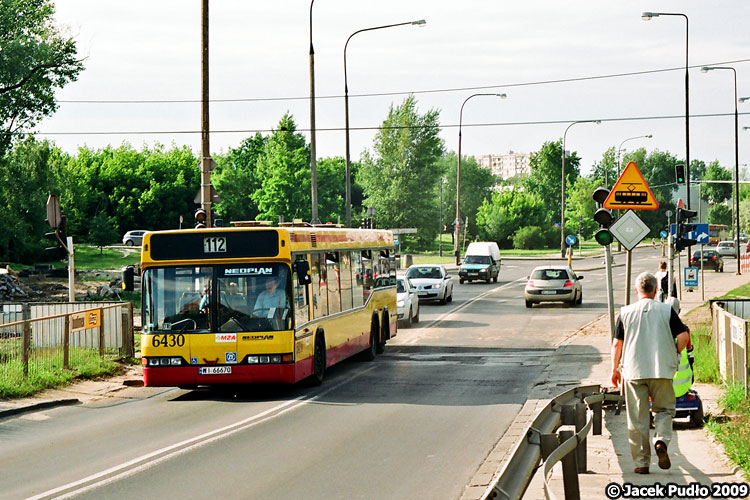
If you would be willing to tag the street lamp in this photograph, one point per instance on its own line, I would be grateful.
(313, 160)
(706, 69)
(562, 204)
(647, 16)
(649, 136)
(440, 232)
(456, 246)
(348, 201)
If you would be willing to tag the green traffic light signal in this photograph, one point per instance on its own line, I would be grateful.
(604, 237)
(679, 173)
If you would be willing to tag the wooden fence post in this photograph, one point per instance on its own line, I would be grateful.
(66, 343)
(26, 314)
(101, 333)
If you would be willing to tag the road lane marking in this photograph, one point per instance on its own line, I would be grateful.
(149, 460)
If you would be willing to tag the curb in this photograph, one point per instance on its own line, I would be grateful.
(43, 405)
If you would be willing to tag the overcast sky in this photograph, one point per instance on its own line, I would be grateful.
(150, 50)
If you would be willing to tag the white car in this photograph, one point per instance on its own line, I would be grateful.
(407, 302)
(133, 238)
(432, 282)
(726, 249)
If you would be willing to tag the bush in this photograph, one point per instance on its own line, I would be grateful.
(529, 238)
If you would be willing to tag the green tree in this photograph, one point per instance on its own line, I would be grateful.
(505, 212)
(102, 231)
(720, 214)
(36, 60)
(235, 179)
(546, 175)
(284, 173)
(476, 186)
(401, 175)
(29, 172)
(716, 193)
(581, 207)
(607, 168)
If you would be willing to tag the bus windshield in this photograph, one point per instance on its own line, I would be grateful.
(218, 298)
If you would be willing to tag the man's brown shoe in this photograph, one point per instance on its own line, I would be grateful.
(641, 470)
(661, 452)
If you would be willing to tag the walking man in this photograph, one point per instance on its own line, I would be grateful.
(649, 338)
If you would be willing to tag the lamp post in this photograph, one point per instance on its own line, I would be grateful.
(647, 16)
(706, 69)
(456, 246)
(562, 197)
(440, 232)
(313, 160)
(649, 136)
(348, 200)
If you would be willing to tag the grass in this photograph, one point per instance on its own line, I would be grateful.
(734, 433)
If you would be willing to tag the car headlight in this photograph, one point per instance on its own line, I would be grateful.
(400, 303)
(437, 285)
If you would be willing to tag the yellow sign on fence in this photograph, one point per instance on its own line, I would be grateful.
(87, 319)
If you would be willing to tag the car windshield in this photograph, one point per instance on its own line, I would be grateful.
(549, 274)
(424, 272)
(726, 244)
(205, 299)
(477, 259)
(706, 253)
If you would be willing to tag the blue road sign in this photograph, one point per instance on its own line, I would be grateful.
(690, 277)
(570, 240)
(700, 235)
(663, 234)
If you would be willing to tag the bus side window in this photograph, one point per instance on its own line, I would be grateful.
(357, 283)
(301, 305)
(320, 290)
(345, 276)
(334, 288)
(368, 278)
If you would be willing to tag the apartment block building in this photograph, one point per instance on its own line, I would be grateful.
(506, 165)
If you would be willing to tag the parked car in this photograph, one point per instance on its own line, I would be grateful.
(711, 260)
(407, 301)
(726, 249)
(432, 282)
(553, 284)
(132, 238)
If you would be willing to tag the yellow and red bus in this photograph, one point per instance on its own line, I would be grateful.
(254, 303)
(715, 232)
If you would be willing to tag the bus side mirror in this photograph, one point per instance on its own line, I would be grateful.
(302, 268)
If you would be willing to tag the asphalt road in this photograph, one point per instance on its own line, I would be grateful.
(415, 423)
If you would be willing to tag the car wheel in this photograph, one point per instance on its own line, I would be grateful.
(529, 303)
(450, 297)
(461, 281)
(495, 279)
(580, 299)
(129, 243)
(445, 297)
(409, 320)
(415, 319)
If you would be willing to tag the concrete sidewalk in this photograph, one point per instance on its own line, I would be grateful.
(584, 359)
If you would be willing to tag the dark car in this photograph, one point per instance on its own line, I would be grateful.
(711, 260)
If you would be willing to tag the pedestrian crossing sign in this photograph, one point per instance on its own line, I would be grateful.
(631, 192)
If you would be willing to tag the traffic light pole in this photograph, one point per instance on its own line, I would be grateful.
(71, 271)
(627, 277)
(610, 294)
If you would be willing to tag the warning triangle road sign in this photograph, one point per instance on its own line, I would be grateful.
(631, 192)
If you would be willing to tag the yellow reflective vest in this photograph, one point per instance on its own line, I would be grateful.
(683, 378)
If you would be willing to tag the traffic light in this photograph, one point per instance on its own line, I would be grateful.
(603, 217)
(200, 219)
(58, 237)
(683, 227)
(679, 173)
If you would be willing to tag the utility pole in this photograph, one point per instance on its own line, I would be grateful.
(205, 145)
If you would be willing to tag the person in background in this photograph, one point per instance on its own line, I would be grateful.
(649, 338)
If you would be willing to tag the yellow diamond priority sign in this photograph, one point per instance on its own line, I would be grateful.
(631, 192)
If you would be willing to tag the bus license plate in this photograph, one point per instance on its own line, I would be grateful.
(215, 370)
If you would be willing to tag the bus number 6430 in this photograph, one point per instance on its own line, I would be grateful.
(168, 340)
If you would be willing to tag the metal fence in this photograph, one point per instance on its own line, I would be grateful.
(581, 409)
(729, 328)
(39, 339)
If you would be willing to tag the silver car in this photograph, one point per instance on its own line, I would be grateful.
(432, 282)
(553, 284)
(726, 249)
(132, 238)
(407, 302)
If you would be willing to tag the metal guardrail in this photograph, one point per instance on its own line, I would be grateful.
(580, 407)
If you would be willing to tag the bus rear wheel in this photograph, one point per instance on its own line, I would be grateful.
(319, 360)
(384, 334)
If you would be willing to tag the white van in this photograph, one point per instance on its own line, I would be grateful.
(481, 262)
